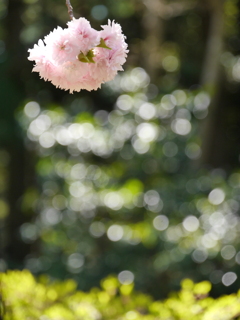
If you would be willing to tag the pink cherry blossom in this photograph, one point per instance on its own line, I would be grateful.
(72, 60)
(84, 35)
(61, 45)
(38, 52)
(109, 62)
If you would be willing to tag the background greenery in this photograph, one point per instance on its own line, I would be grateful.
(141, 176)
(24, 297)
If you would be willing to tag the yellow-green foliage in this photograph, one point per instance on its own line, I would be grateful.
(25, 298)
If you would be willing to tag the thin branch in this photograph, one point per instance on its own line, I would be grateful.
(70, 9)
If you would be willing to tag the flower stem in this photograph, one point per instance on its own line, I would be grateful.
(70, 9)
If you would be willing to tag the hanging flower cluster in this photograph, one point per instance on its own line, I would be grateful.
(80, 57)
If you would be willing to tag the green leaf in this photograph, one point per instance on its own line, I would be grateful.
(88, 58)
(102, 44)
(82, 57)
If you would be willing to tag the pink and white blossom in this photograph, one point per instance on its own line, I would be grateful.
(80, 57)
(84, 35)
(61, 45)
(109, 62)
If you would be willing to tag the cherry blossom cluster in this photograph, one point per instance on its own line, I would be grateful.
(80, 57)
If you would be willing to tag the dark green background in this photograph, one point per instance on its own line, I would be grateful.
(203, 37)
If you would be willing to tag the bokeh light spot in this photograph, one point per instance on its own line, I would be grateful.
(97, 229)
(229, 278)
(181, 126)
(228, 252)
(199, 255)
(216, 196)
(115, 233)
(126, 277)
(32, 109)
(99, 12)
(74, 262)
(191, 223)
(160, 222)
(170, 63)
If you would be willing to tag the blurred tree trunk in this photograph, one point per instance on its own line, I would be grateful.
(153, 25)
(212, 80)
(12, 96)
(156, 15)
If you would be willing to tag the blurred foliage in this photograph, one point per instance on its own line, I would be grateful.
(120, 190)
(25, 298)
(112, 181)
